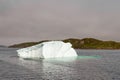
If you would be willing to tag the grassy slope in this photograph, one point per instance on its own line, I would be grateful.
(86, 43)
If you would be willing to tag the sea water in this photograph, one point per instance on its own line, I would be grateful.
(89, 65)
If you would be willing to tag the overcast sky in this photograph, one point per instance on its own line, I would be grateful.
(35, 20)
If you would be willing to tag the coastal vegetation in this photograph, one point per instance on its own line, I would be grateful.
(86, 43)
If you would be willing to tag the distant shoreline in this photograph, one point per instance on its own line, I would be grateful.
(97, 49)
(86, 43)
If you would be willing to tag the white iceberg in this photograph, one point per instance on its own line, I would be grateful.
(51, 49)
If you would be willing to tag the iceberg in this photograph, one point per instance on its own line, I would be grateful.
(50, 49)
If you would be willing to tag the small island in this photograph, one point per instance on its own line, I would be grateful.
(86, 43)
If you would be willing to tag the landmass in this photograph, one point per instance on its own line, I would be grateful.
(86, 43)
(2, 46)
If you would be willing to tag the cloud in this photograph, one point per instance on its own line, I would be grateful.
(32, 20)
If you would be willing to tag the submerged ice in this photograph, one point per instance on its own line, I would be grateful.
(51, 49)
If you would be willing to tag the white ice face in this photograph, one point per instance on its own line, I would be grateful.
(51, 49)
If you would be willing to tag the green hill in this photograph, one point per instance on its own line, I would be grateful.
(86, 43)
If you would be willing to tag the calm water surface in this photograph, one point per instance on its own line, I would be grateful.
(90, 65)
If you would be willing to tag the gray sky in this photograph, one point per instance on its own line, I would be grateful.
(35, 20)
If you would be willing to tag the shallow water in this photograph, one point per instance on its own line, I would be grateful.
(90, 65)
